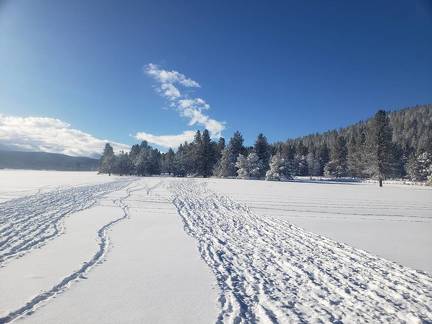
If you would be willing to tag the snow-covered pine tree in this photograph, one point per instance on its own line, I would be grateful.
(313, 164)
(220, 147)
(242, 167)
(419, 167)
(337, 166)
(133, 155)
(122, 164)
(226, 166)
(107, 160)
(263, 151)
(254, 165)
(180, 161)
(279, 169)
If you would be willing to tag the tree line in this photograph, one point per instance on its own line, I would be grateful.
(389, 145)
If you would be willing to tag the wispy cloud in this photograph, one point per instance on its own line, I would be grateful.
(50, 135)
(170, 85)
(166, 140)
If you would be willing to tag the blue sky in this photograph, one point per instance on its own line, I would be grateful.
(284, 68)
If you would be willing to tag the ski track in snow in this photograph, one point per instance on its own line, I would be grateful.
(82, 198)
(269, 270)
(27, 223)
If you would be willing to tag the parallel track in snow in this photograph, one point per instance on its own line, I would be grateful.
(103, 238)
(29, 222)
(271, 271)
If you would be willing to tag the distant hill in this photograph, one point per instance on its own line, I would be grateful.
(412, 130)
(45, 161)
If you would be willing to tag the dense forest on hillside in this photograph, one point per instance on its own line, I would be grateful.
(389, 145)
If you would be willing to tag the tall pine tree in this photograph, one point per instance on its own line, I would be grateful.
(381, 161)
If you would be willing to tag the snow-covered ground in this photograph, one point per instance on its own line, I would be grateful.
(394, 222)
(86, 248)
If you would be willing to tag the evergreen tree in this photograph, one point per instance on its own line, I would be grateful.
(207, 155)
(168, 162)
(337, 166)
(279, 169)
(133, 155)
(107, 160)
(313, 164)
(381, 157)
(180, 158)
(263, 150)
(254, 165)
(122, 164)
(196, 154)
(300, 166)
(148, 160)
(323, 157)
(226, 166)
(419, 167)
(242, 167)
(220, 147)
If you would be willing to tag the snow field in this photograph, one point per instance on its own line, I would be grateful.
(269, 270)
(151, 273)
(115, 250)
(393, 222)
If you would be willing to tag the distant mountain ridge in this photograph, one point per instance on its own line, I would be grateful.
(45, 161)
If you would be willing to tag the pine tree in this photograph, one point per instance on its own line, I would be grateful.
(133, 155)
(107, 160)
(226, 166)
(419, 167)
(381, 160)
(263, 150)
(313, 164)
(180, 158)
(207, 155)
(323, 157)
(168, 162)
(196, 154)
(337, 167)
(254, 165)
(279, 170)
(220, 147)
(122, 164)
(242, 167)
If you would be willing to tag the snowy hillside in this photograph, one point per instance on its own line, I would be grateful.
(159, 249)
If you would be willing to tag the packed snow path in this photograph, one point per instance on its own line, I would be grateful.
(28, 222)
(271, 271)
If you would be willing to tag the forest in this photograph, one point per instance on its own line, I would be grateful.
(389, 145)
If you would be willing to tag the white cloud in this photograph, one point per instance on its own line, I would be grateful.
(165, 76)
(191, 108)
(50, 135)
(167, 141)
(170, 91)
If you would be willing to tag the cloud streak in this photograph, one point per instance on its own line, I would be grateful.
(166, 140)
(170, 85)
(50, 135)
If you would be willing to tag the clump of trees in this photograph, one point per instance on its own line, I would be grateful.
(389, 145)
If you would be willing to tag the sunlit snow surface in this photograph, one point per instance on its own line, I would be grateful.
(254, 251)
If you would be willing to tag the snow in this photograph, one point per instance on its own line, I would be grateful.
(14, 183)
(160, 249)
(393, 222)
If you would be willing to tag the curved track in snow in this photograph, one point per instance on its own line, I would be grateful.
(271, 271)
(89, 195)
(28, 222)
